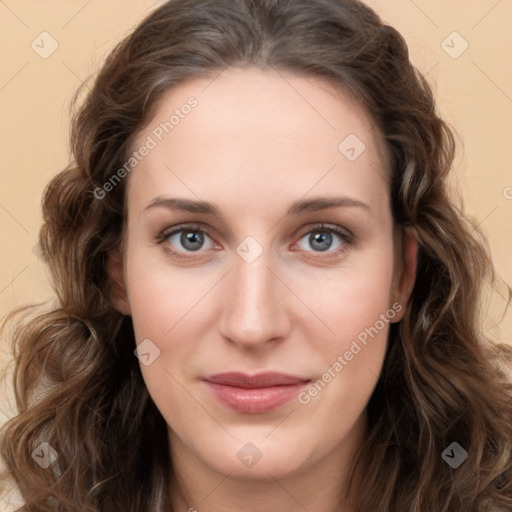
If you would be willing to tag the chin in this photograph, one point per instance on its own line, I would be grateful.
(258, 459)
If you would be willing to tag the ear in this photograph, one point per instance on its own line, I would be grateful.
(406, 275)
(118, 295)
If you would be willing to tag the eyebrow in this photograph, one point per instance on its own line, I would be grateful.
(299, 207)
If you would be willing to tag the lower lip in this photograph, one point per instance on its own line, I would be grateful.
(255, 400)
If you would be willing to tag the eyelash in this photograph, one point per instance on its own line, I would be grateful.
(346, 236)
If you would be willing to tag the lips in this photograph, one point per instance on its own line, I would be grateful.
(254, 393)
(262, 380)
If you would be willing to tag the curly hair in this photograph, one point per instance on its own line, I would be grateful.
(77, 383)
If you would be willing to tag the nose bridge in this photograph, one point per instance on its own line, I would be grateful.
(253, 312)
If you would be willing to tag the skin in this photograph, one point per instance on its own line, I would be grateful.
(257, 142)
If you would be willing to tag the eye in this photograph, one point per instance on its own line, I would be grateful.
(182, 241)
(330, 239)
(186, 239)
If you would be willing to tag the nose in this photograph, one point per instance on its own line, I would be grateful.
(254, 305)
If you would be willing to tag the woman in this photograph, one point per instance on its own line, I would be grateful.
(266, 299)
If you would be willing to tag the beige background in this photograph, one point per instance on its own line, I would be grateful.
(474, 94)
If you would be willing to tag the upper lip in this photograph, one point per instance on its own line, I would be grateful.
(261, 380)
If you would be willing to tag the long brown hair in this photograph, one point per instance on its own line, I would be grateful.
(77, 383)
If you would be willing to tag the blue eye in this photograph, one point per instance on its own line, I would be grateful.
(325, 239)
(185, 239)
(182, 241)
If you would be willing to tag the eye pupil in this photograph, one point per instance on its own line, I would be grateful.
(320, 240)
(192, 240)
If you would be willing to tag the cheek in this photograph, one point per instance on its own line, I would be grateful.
(351, 299)
(179, 309)
(164, 305)
(350, 363)
(347, 301)
(160, 294)
(356, 306)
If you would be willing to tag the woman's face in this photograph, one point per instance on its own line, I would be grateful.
(260, 240)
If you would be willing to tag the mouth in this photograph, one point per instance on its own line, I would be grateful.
(252, 394)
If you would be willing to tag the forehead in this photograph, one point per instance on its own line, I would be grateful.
(261, 130)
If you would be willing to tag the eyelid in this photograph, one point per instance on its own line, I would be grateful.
(348, 239)
(330, 228)
(165, 234)
(346, 236)
(190, 226)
